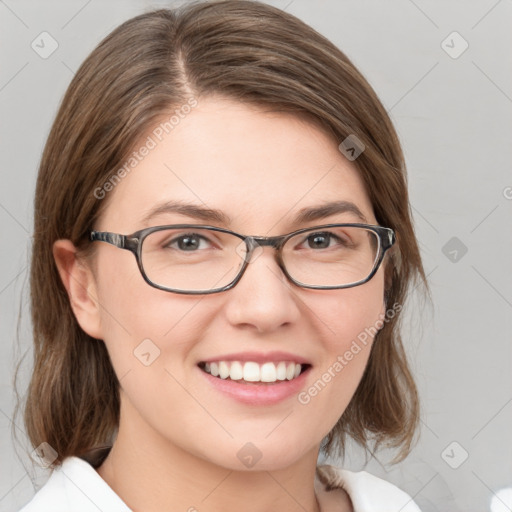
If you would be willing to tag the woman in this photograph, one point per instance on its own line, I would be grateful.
(259, 185)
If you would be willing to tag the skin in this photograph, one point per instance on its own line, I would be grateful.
(178, 436)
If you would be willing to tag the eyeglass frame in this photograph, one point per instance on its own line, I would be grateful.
(134, 241)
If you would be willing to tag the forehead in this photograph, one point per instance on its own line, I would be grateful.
(258, 167)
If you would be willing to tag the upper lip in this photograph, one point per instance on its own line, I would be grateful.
(258, 357)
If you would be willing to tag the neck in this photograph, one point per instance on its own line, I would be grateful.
(152, 474)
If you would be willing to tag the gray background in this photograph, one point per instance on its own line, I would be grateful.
(453, 114)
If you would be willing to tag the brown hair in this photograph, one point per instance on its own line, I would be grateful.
(249, 52)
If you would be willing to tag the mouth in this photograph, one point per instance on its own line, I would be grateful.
(250, 372)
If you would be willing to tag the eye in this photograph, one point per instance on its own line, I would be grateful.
(188, 242)
(323, 240)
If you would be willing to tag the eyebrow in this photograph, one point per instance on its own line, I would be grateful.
(205, 214)
(329, 209)
(189, 209)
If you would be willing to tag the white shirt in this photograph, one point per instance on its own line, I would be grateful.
(76, 486)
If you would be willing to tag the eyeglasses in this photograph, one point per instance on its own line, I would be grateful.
(193, 259)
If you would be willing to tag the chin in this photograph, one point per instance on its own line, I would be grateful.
(261, 455)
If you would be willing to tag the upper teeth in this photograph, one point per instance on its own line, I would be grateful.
(253, 372)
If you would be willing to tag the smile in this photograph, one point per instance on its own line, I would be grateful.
(251, 371)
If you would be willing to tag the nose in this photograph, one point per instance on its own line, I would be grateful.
(263, 300)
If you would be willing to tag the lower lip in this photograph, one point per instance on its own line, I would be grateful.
(258, 393)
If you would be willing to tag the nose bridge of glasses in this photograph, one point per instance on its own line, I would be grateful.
(263, 241)
(255, 245)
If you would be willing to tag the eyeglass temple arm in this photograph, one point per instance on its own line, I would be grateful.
(110, 238)
(389, 239)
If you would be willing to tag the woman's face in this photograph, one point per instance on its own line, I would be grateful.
(260, 170)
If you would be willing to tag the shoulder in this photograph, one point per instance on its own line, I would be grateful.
(366, 491)
(75, 485)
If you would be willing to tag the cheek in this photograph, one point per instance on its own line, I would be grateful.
(138, 319)
(347, 321)
(150, 336)
(347, 314)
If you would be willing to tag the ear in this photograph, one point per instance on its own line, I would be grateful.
(80, 285)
